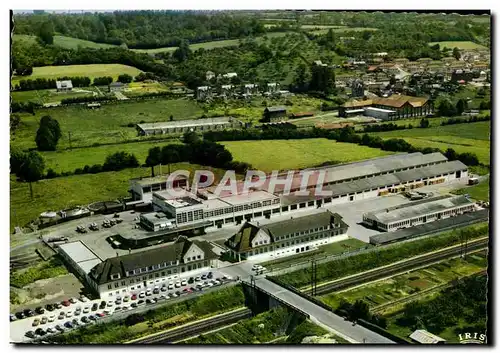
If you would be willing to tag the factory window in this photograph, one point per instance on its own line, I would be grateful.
(131, 281)
(115, 276)
(157, 275)
(198, 257)
(150, 268)
(150, 276)
(123, 283)
(302, 205)
(169, 272)
(293, 207)
(109, 286)
(116, 285)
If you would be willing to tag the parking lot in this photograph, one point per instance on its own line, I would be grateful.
(73, 313)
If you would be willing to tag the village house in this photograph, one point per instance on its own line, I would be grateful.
(64, 86)
(274, 114)
(203, 92)
(250, 89)
(116, 87)
(273, 87)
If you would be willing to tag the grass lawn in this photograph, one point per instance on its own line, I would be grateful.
(108, 124)
(59, 193)
(467, 45)
(92, 71)
(289, 154)
(402, 286)
(69, 160)
(324, 250)
(138, 88)
(51, 95)
(480, 191)
(473, 137)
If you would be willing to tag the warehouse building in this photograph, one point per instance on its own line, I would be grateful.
(378, 113)
(80, 257)
(420, 212)
(182, 126)
(402, 106)
(155, 267)
(287, 237)
(143, 188)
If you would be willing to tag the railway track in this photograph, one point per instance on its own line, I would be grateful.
(225, 319)
(196, 328)
(399, 267)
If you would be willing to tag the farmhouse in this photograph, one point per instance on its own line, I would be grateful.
(116, 87)
(182, 126)
(418, 212)
(150, 268)
(64, 86)
(287, 237)
(274, 114)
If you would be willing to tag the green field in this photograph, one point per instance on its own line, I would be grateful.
(69, 160)
(212, 45)
(340, 29)
(402, 286)
(51, 95)
(289, 154)
(92, 71)
(108, 124)
(65, 42)
(59, 193)
(466, 45)
(473, 137)
(480, 191)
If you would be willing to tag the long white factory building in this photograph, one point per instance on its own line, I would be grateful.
(347, 183)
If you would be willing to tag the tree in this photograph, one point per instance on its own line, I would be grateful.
(461, 106)
(183, 52)
(46, 33)
(485, 105)
(48, 134)
(301, 77)
(153, 158)
(190, 138)
(125, 78)
(424, 123)
(31, 169)
(119, 161)
(171, 118)
(17, 157)
(456, 53)
(451, 154)
(15, 120)
(446, 108)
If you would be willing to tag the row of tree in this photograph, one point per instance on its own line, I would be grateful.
(473, 119)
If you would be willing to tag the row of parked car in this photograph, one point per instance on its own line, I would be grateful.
(49, 307)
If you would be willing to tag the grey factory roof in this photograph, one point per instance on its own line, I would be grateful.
(254, 196)
(154, 180)
(370, 183)
(413, 210)
(84, 258)
(185, 123)
(425, 337)
(430, 228)
(165, 254)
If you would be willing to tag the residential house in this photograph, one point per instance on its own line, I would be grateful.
(116, 87)
(64, 86)
(209, 75)
(357, 88)
(203, 92)
(273, 88)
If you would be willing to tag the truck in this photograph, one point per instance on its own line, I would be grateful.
(473, 180)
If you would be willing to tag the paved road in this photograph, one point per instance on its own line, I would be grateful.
(336, 323)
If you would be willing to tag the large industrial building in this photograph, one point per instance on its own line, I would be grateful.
(420, 212)
(345, 183)
(402, 106)
(182, 126)
(140, 270)
(287, 237)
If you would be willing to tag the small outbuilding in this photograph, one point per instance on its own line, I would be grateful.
(64, 86)
(274, 114)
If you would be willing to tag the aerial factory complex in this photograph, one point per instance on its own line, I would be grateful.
(249, 177)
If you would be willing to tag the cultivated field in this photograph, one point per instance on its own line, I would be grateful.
(289, 154)
(473, 137)
(108, 124)
(211, 45)
(65, 42)
(92, 71)
(466, 45)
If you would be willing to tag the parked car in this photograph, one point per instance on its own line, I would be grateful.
(68, 324)
(177, 284)
(100, 314)
(148, 292)
(197, 279)
(13, 317)
(86, 310)
(61, 316)
(85, 320)
(30, 334)
(78, 311)
(20, 315)
(170, 286)
(102, 305)
(133, 305)
(163, 297)
(75, 322)
(52, 317)
(95, 307)
(66, 303)
(174, 295)
(40, 332)
(69, 313)
(73, 300)
(142, 294)
(190, 280)
(43, 320)
(92, 317)
(133, 297)
(163, 289)
(184, 282)
(58, 305)
(126, 298)
(28, 313)
(210, 275)
(36, 322)
(110, 303)
(59, 328)
(204, 277)
(84, 299)
(156, 291)
(51, 330)
(49, 307)
(140, 302)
